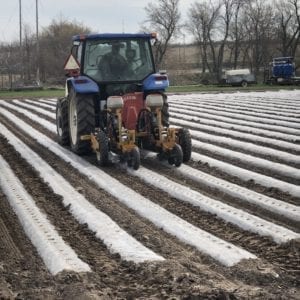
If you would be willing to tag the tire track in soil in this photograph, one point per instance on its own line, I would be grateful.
(190, 265)
(6, 242)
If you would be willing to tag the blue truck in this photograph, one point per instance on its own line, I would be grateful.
(281, 70)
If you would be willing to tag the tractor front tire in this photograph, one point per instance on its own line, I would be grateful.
(62, 122)
(185, 141)
(81, 121)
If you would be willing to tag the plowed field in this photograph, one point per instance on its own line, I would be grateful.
(224, 226)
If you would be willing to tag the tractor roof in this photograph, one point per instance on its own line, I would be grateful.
(113, 36)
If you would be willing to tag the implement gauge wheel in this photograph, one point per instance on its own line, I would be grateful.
(81, 121)
(175, 156)
(134, 159)
(103, 154)
(62, 122)
(185, 141)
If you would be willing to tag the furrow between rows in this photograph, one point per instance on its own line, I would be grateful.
(56, 254)
(245, 146)
(234, 121)
(232, 215)
(116, 239)
(245, 116)
(224, 252)
(276, 206)
(240, 128)
(253, 137)
(246, 175)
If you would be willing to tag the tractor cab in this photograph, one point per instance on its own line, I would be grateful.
(118, 63)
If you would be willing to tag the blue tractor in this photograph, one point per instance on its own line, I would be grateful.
(115, 102)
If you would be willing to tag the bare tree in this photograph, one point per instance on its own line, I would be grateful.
(237, 34)
(288, 26)
(210, 24)
(224, 25)
(28, 53)
(202, 23)
(55, 44)
(258, 19)
(163, 17)
(10, 63)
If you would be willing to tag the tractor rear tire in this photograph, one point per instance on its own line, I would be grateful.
(62, 122)
(185, 141)
(81, 121)
(103, 155)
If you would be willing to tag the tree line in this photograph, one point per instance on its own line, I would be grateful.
(230, 33)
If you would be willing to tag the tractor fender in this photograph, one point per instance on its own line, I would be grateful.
(156, 82)
(82, 85)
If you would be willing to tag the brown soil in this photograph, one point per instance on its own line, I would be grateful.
(185, 274)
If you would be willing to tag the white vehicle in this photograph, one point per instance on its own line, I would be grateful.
(241, 77)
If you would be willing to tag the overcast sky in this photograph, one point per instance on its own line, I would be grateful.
(99, 15)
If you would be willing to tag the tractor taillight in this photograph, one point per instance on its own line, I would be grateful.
(80, 81)
(161, 77)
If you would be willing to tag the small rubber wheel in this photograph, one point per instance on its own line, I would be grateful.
(176, 156)
(134, 159)
(185, 141)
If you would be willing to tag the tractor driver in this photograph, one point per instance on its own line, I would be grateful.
(113, 65)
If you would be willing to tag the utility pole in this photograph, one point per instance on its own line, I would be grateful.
(20, 22)
(21, 50)
(37, 43)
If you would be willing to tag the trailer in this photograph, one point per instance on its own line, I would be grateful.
(239, 77)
